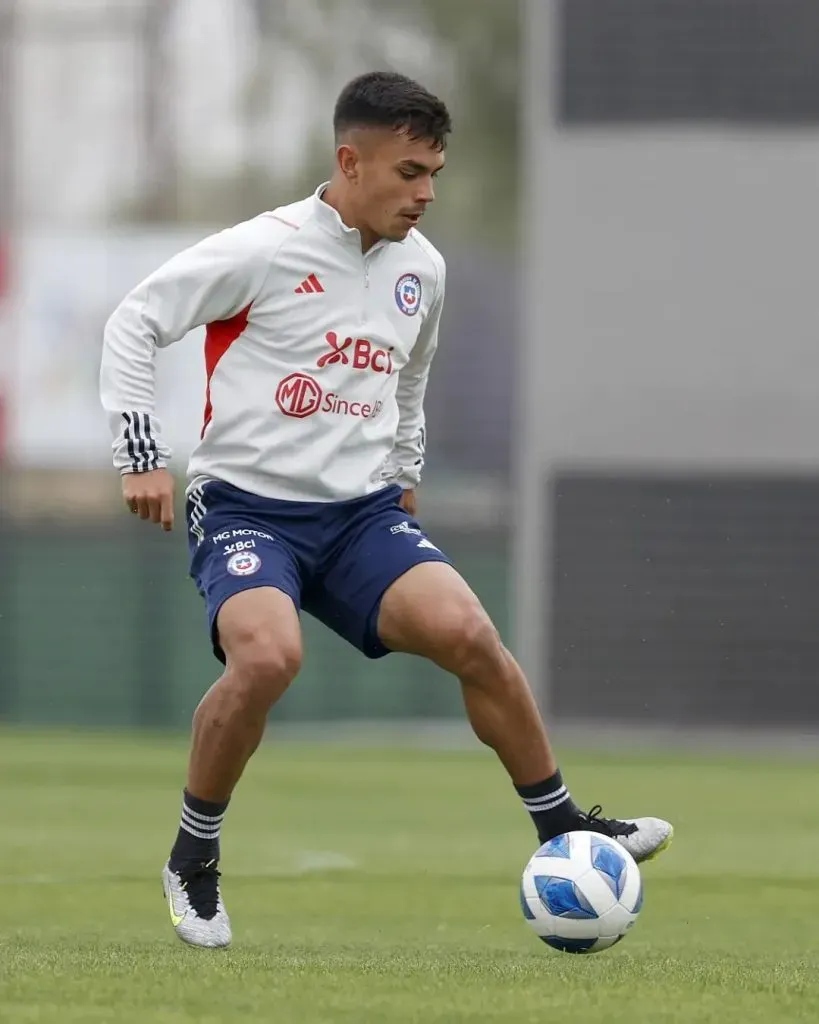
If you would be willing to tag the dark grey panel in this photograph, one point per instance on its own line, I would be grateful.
(633, 61)
(470, 398)
(686, 600)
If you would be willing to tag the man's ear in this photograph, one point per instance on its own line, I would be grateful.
(348, 160)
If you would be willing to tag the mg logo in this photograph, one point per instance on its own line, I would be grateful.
(298, 395)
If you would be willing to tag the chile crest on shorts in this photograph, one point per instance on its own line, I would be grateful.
(408, 294)
(244, 563)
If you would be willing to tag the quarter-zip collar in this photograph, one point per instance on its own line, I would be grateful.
(330, 219)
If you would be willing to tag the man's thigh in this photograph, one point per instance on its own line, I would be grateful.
(233, 550)
(377, 545)
(431, 611)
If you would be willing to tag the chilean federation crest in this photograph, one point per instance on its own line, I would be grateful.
(244, 563)
(408, 294)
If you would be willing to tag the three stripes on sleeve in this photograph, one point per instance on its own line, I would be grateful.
(139, 437)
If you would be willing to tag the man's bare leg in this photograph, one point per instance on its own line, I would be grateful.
(260, 635)
(430, 611)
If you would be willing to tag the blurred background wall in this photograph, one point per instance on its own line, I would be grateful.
(623, 419)
(668, 471)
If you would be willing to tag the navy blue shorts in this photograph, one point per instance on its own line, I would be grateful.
(334, 559)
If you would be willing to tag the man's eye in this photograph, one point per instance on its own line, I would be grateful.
(408, 175)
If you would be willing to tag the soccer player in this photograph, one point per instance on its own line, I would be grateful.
(321, 322)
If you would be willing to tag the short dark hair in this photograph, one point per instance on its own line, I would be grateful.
(385, 99)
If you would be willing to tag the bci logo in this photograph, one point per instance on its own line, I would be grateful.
(359, 353)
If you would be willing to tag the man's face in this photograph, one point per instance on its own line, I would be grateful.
(392, 176)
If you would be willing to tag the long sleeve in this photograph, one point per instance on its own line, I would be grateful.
(212, 281)
(407, 459)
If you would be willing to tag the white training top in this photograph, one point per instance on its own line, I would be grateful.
(317, 356)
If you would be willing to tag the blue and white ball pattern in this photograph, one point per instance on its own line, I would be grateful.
(581, 892)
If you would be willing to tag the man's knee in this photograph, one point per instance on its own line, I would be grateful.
(265, 661)
(261, 665)
(259, 633)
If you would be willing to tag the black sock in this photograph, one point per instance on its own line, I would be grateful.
(198, 836)
(552, 809)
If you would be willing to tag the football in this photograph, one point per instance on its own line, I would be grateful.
(581, 892)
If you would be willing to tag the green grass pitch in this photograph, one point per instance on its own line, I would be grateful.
(370, 886)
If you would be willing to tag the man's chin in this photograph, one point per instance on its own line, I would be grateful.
(398, 232)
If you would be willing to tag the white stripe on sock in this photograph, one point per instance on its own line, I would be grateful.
(546, 796)
(195, 832)
(545, 803)
(194, 826)
(206, 819)
(210, 830)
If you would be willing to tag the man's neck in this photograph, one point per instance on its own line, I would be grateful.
(334, 196)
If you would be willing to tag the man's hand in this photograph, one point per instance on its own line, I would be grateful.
(409, 503)
(150, 496)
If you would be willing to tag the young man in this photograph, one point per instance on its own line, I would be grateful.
(322, 320)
